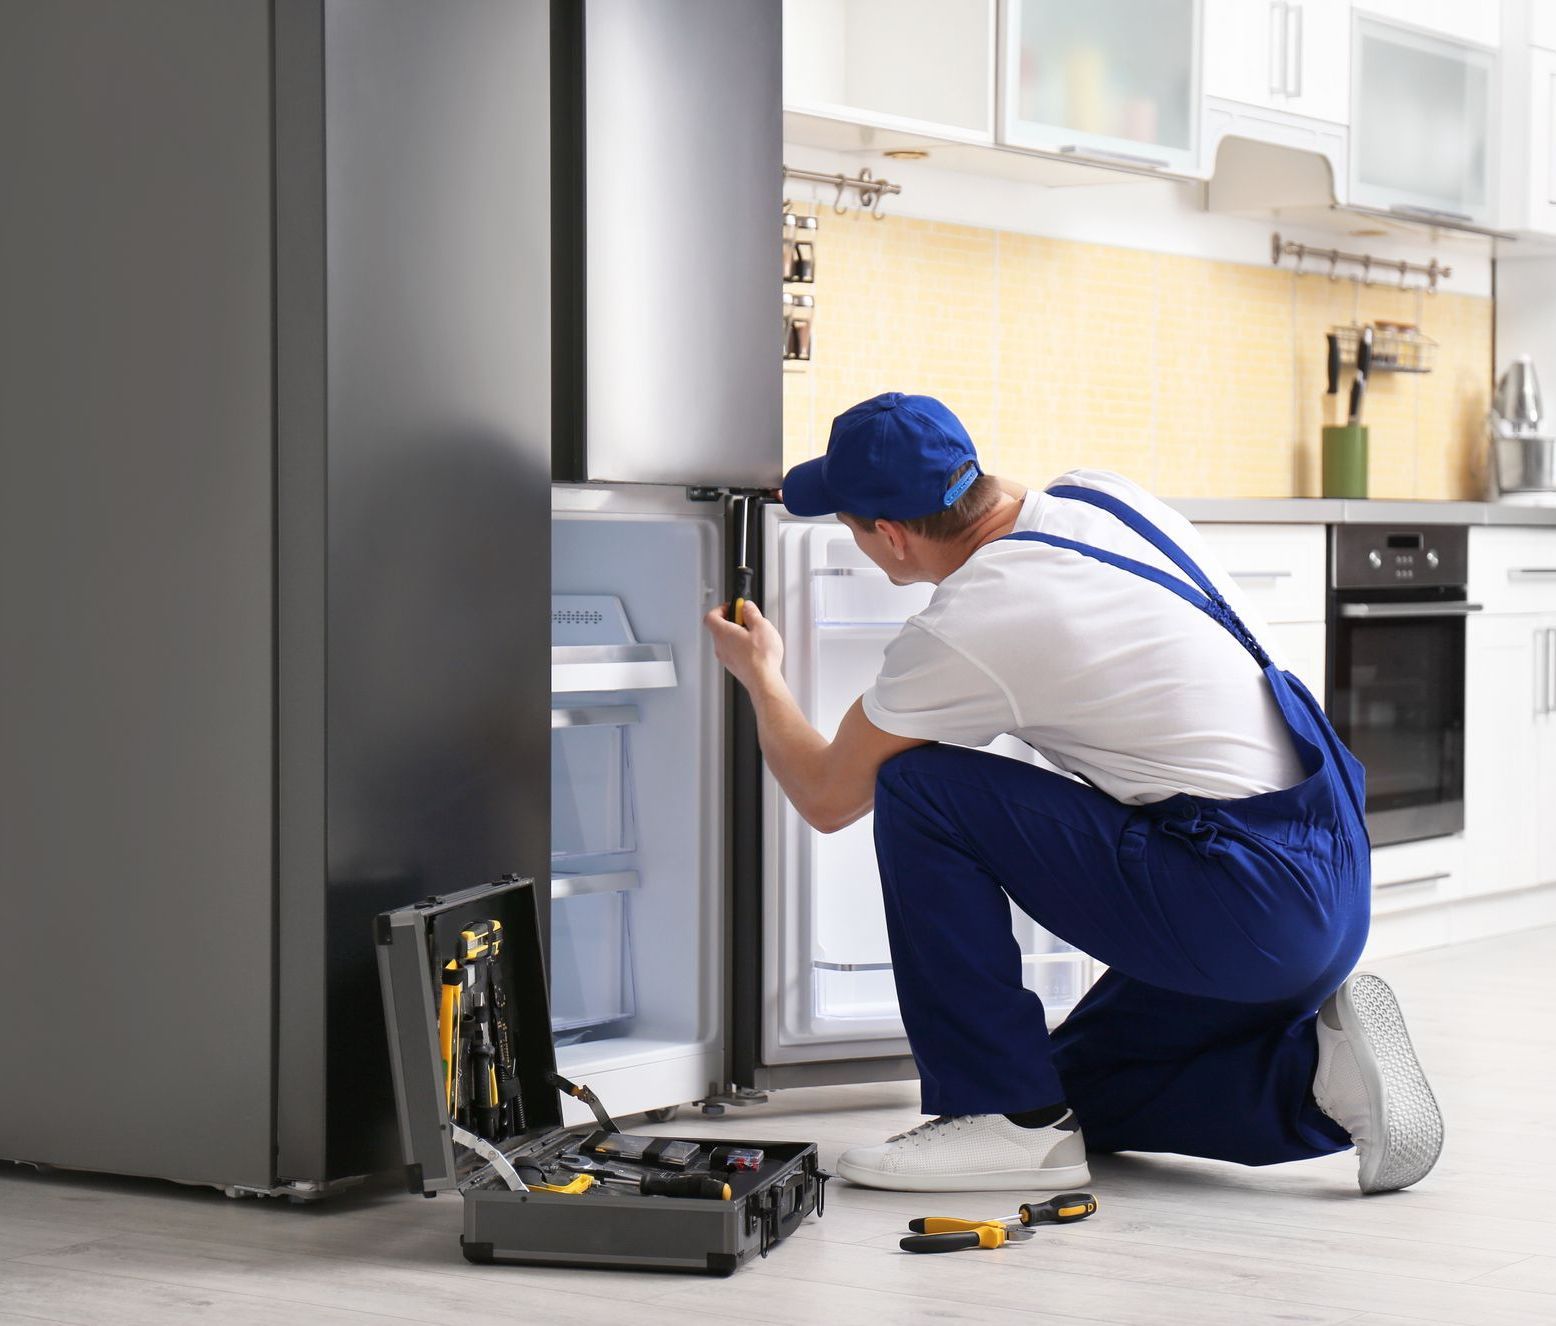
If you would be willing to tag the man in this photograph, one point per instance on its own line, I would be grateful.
(1205, 839)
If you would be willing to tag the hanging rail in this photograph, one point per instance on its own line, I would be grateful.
(871, 191)
(1433, 271)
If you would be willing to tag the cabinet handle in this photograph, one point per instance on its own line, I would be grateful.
(1261, 575)
(1103, 157)
(1278, 32)
(1542, 640)
(1550, 669)
(1294, 51)
(1531, 573)
(1416, 879)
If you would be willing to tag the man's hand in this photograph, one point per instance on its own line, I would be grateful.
(831, 783)
(750, 651)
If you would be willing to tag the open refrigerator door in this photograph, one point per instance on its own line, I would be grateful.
(825, 956)
(637, 725)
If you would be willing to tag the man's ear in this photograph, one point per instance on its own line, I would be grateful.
(896, 538)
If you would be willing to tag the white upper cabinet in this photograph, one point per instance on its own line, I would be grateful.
(1109, 80)
(1478, 21)
(918, 66)
(1281, 55)
(1421, 123)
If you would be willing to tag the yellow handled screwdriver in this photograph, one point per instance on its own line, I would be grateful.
(947, 1234)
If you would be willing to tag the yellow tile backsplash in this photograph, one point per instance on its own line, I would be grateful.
(1194, 377)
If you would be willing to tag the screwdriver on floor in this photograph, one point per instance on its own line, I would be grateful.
(946, 1234)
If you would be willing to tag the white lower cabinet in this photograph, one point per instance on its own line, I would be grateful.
(1507, 755)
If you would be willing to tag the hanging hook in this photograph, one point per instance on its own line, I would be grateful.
(1404, 271)
(838, 205)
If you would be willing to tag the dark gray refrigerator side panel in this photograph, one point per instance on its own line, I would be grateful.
(136, 587)
(682, 190)
(438, 293)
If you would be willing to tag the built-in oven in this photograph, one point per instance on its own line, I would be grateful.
(1397, 607)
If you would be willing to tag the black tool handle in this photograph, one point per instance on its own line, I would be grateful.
(685, 1185)
(1064, 1209)
(744, 579)
(1333, 364)
(941, 1242)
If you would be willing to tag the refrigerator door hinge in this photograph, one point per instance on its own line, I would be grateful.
(701, 494)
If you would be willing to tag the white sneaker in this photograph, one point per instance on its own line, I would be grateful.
(960, 1152)
(1371, 1084)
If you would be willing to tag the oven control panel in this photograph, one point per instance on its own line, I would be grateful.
(1398, 557)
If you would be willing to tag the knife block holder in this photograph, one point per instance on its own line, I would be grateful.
(1344, 464)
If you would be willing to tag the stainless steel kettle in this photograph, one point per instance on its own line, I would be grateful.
(1523, 456)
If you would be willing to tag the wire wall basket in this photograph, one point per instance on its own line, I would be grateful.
(1397, 347)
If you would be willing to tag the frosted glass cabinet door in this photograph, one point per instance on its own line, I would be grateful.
(1110, 80)
(1421, 117)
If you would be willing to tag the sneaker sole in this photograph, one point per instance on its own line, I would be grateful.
(1405, 1115)
(1013, 1180)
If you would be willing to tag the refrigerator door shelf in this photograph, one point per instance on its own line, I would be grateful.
(565, 884)
(577, 669)
(591, 963)
(593, 810)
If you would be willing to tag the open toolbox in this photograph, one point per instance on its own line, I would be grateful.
(485, 944)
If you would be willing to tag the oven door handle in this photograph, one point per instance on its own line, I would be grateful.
(1410, 609)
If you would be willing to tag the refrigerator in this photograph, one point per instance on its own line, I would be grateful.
(386, 390)
(706, 944)
(275, 444)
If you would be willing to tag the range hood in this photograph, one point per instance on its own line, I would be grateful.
(1295, 187)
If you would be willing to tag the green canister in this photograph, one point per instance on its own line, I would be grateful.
(1345, 460)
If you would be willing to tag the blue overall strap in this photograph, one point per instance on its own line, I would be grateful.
(1214, 608)
(1141, 526)
(1185, 592)
(1220, 609)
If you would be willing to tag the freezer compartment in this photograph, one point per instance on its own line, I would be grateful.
(824, 933)
(636, 917)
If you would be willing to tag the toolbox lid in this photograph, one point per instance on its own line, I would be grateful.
(413, 943)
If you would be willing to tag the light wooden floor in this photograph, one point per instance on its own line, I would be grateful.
(1174, 1241)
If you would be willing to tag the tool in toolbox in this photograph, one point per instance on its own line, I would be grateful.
(948, 1234)
(736, 1157)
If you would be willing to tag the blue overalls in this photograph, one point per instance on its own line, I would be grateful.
(1224, 925)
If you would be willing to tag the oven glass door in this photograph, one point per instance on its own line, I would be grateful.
(1398, 703)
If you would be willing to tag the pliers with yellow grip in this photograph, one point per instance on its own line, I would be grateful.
(947, 1234)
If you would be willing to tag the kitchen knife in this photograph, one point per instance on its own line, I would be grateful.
(1333, 369)
(1363, 363)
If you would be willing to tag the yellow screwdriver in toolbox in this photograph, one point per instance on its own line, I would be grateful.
(948, 1234)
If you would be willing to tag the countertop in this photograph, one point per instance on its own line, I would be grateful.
(1350, 511)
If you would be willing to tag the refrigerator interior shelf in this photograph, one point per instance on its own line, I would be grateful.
(857, 596)
(582, 668)
(599, 715)
(574, 886)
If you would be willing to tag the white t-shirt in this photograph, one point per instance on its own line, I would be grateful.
(1104, 673)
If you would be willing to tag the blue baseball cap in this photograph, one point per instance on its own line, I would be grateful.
(892, 457)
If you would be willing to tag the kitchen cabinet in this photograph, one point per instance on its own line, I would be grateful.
(1510, 750)
(1422, 120)
(1467, 20)
(1287, 55)
(920, 66)
(1114, 81)
(1528, 113)
(1510, 710)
